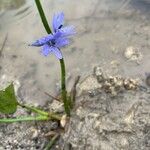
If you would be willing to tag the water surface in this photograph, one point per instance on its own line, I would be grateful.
(105, 29)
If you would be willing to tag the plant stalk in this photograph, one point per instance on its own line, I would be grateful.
(50, 115)
(28, 118)
(62, 64)
(42, 15)
(63, 88)
(33, 109)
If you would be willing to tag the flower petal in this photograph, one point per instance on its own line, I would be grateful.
(67, 31)
(46, 50)
(57, 35)
(61, 42)
(56, 52)
(42, 40)
(58, 21)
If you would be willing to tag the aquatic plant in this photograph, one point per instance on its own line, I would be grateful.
(57, 38)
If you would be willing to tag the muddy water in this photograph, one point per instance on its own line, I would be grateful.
(106, 29)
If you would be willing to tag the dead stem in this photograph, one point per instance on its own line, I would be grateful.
(52, 142)
(3, 45)
(52, 96)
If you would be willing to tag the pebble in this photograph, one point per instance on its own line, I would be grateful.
(99, 74)
(133, 53)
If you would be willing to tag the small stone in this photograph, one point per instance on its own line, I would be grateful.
(133, 53)
(54, 125)
(57, 106)
(129, 52)
(88, 84)
(99, 74)
(107, 87)
(35, 133)
(63, 120)
(130, 84)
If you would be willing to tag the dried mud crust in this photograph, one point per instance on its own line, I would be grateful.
(114, 117)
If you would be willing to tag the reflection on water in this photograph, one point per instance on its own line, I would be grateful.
(142, 5)
(105, 29)
(11, 4)
(12, 11)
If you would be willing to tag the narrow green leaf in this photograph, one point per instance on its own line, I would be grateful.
(8, 102)
(24, 118)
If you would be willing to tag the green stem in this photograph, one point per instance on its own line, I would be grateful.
(42, 15)
(63, 83)
(54, 116)
(28, 118)
(33, 109)
(63, 87)
(41, 112)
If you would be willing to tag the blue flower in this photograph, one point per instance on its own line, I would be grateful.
(59, 37)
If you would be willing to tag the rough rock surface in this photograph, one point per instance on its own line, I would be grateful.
(26, 135)
(103, 121)
(110, 113)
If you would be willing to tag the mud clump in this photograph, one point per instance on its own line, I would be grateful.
(109, 84)
(133, 54)
(113, 114)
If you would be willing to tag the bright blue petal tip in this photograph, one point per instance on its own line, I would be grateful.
(58, 21)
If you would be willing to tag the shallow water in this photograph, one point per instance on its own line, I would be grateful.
(105, 29)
